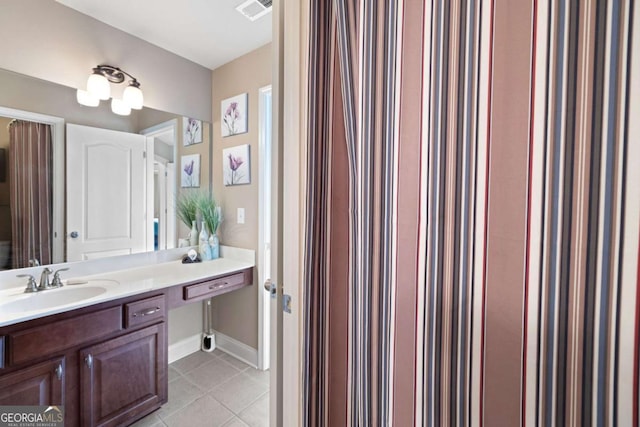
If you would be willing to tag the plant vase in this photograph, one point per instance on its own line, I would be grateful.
(214, 243)
(205, 249)
(193, 235)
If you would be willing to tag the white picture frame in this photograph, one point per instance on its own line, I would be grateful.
(190, 171)
(191, 131)
(233, 115)
(236, 165)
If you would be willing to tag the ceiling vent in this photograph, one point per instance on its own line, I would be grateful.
(254, 9)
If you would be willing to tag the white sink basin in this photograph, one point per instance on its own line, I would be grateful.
(51, 298)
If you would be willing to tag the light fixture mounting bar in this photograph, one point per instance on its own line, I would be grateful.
(114, 74)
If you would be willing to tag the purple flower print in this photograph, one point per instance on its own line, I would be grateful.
(188, 170)
(231, 118)
(232, 109)
(192, 132)
(235, 162)
(234, 165)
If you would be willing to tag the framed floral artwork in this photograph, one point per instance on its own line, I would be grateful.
(190, 170)
(234, 115)
(191, 131)
(236, 165)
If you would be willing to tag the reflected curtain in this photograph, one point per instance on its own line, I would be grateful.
(30, 168)
(471, 239)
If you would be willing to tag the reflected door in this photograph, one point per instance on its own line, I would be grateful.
(107, 193)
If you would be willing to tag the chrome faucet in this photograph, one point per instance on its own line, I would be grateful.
(32, 286)
(44, 279)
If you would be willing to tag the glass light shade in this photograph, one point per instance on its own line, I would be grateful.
(133, 97)
(85, 98)
(118, 106)
(98, 86)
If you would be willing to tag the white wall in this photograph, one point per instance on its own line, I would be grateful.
(44, 39)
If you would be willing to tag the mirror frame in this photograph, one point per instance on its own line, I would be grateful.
(58, 194)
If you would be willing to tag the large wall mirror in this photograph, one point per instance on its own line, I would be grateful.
(45, 187)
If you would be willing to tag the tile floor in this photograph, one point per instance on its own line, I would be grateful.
(213, 389)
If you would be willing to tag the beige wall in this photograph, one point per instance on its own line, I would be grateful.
(204, 150)
(236, 313)
(44, 39)
(186, 321)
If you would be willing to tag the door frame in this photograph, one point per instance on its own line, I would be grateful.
(58, 193)
(171, 219)
(264, 220)
(290, 100)
(160, 169)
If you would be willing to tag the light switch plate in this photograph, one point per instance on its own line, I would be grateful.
(240, 215)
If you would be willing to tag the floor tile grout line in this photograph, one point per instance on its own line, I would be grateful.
(199, 353)
(237, 414)
(252, 402)
(241, 373)
(201, 392)
(209, 390)
(189, 402)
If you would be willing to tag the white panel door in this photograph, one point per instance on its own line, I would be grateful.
(107, 173)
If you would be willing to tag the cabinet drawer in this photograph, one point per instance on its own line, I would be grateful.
(56, 336)
(214, 287)
(144, 311)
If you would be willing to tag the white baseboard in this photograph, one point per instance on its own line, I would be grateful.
(184, 347)
(235, 348)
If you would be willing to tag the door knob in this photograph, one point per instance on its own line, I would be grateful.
(270, 287)
(74, 234)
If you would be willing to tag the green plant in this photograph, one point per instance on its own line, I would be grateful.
(208, 208)
(187, 207)
(190, 203)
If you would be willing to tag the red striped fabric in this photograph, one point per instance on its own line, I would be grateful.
(30, 179)
(471, 251)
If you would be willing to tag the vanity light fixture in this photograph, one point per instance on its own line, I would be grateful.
(99, 88)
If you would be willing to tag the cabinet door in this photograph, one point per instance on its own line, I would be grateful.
(123, 378)
(40, 384)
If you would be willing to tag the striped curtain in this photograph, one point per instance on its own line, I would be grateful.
(30, 178)
(580, 289)
(473, 213)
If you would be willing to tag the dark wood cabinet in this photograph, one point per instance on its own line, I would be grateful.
(108, 370)
(123, 378)
(41, 384)
(106, 363)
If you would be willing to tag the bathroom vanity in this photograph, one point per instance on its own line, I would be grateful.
(103, 357)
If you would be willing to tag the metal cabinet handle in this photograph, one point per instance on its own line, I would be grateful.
(218, 286)
(58, 372)
(147, 312)
(89, 361)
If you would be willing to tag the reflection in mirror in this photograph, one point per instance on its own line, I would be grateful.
(29, 238)
(33, 204)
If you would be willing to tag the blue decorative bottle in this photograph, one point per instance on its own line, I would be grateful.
(205, 250)
(214, 243)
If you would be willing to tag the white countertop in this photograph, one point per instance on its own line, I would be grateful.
(117, 284)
